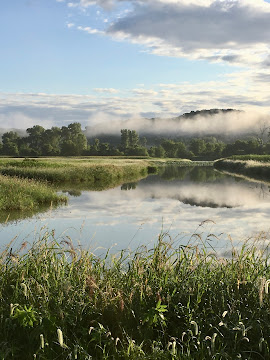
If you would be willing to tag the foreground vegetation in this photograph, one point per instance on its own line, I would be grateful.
(61, 302)
(254, 166)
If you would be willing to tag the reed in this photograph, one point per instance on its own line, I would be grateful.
(58, 301)
(257, 169)
(26, 194)
(63, 170)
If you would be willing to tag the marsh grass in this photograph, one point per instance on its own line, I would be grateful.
(62, 302)
(254, 166)
(29, 184)
(259, 158)
(26, 194)
(64, 170)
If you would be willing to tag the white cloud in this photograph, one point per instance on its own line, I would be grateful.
(72, 5)
(144, 92)
(233, 31)
(236, 31)
(90, 30)
(106, 90)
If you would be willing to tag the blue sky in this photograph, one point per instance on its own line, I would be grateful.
(103, 61)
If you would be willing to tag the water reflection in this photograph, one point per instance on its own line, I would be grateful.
(178, 200)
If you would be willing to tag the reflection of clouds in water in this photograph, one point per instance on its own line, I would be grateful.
(134, 217)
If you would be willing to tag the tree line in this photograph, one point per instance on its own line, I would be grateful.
(71, 141)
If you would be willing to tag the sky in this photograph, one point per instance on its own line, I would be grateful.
(98, 62)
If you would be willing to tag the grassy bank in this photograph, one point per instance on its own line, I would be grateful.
(25, 183)
(25, 194)
(61, 170)
(57, 302)
(247, 166)
(179, 162)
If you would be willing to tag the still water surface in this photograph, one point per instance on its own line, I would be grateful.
(180, 201)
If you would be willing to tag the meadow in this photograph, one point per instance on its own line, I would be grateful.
(59, 301)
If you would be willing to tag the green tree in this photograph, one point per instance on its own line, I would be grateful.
(124, 139)
(133, 139)
(197, 146)
(10, 141)
(170, 148)
(73, 141)
(35, 139)
(51, 142)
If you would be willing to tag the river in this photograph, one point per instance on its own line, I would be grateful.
(178, 202)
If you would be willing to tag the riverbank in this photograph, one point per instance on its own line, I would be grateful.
(255, 167)
(96, 173)
(26, 194)
(19, 193)
(59, 301)
(61, 170)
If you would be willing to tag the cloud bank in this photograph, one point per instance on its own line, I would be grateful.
(232, 31)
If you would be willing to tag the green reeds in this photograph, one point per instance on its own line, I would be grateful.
(26, 194)
(65, 170)
(61, 302)
(257, 169)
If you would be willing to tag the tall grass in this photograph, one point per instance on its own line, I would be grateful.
(259, 158)
(61, 302)
(76, 170)
(252, 168)
(25, 194)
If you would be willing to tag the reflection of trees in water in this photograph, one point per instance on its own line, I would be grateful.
(129, 186)
(264, 190)
(205, 174)
(172, 172)
(207, 203)
(196, 174)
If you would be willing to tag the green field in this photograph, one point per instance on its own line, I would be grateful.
(61, 302)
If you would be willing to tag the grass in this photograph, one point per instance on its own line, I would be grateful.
(179, 162)
(64, 170)
(25, 194)
(25, 184)
(253, 166)
(61, 302)
(259, 158)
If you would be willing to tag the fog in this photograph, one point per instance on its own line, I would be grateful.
(231, 123)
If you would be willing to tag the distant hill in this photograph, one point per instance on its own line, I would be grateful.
(210, 112)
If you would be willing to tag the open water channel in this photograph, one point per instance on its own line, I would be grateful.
(180, 201)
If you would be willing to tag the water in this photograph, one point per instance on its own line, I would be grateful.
(178, 201)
